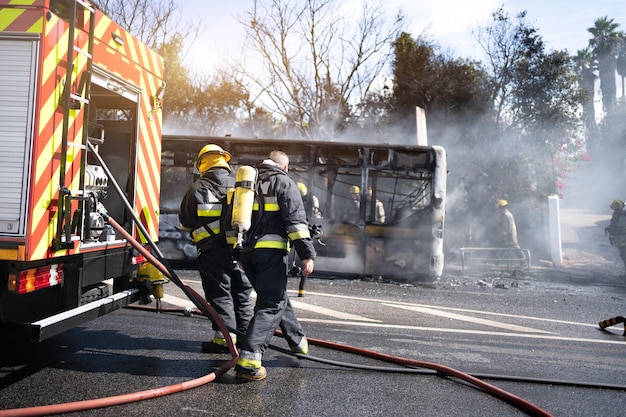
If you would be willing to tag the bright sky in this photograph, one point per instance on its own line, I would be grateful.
(563, 24)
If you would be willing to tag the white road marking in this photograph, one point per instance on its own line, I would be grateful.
(488, 313)
(355, 320)
(332, 313)
(465, 331)
(183, 302)
(470, 319)
(177, 301)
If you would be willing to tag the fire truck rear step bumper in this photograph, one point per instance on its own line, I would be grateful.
(58, 323)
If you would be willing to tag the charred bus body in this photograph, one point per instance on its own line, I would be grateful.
(408, 181)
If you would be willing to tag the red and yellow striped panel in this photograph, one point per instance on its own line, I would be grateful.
(131, 61)
(30, 16)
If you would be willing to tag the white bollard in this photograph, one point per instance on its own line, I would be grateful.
(554, 230)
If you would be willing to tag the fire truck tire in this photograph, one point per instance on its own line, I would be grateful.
(94, 293)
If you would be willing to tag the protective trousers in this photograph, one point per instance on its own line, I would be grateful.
(226, 288)
(267, 271)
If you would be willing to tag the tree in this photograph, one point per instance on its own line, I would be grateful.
(534, 92)
(621, 66)
(606, 43)
(533, 127)
(311, 62)
(158, 24)
(452, 91)
(153, 22)
(584, 65)
(179, 89)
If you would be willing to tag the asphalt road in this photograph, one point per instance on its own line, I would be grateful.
(533, 335)
(537, 340)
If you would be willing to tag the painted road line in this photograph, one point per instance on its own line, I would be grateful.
(469, 319)
(482, 312)
(177, 301)
(340, 315)
(617, 341)
(331, 313)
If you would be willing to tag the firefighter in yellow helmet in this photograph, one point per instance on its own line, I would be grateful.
(617, 229)
(352, 208)
(352, 213)
(506, 233)
(226, 288)
(311, 202)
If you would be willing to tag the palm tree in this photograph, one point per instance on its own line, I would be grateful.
(606, 43)
(584, 65)
(621, 66)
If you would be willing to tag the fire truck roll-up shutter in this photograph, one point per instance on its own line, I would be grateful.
(17, 82)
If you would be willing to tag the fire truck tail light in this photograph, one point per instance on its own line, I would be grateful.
(35, 279)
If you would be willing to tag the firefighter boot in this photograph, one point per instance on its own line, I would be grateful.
(302, 347)
(218, 343)
(249, 367)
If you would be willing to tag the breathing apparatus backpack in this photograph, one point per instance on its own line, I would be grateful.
(243, 196)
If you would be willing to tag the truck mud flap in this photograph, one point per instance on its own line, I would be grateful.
(53, 325)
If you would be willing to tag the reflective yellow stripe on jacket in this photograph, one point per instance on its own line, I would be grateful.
(272, 241)
(202, 232)
(298, 231)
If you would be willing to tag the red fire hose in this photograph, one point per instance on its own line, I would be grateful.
(204, 307)
(208, 311)
(492, 390)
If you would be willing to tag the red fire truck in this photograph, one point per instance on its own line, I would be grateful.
(79, 119)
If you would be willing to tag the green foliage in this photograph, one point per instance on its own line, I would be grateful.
(606, 43)
(176, 75)
(536, 103)
(451, 91)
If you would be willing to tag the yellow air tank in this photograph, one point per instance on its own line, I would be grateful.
(243, 201)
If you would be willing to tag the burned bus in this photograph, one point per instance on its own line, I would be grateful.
(381, 208)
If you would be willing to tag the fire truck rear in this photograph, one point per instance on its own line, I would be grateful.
(80, 100)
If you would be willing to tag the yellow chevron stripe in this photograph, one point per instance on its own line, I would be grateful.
(8, 16)
(22, 2)
(37, 27)
(132, 50)
(40, 249)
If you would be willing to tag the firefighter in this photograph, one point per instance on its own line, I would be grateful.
(311, 202)
(280, 219)
(352, 211)
(226, 288)
(506, 233)
(617, 229)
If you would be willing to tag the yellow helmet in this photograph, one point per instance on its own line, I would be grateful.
(355, 189)
(502, 203)
(617, 205)
(212, 156)
(302, 188)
